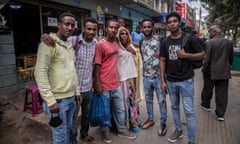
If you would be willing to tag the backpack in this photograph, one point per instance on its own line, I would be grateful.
(195, 63)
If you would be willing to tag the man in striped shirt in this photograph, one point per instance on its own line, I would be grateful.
(84, 46)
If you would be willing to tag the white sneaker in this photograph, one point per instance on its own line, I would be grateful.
(220, 118)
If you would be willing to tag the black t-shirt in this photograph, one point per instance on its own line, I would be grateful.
(179, 69)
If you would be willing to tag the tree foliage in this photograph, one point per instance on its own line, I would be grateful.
(225, 13)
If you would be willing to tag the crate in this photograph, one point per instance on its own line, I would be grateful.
(26, 60)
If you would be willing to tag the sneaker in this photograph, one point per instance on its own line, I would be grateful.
(175, 136)
(220, 118)
(190, 142)
(127, 135)
(106, 137)
(205, 108)
(162, 130)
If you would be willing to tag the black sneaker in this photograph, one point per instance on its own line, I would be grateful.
(175, 136)
(219, 118)
(208, 109)
(162, 130)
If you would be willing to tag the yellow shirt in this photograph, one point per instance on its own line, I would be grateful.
(55, 71)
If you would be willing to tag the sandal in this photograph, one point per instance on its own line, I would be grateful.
(88, 139)
(148, 124)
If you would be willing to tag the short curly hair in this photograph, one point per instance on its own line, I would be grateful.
(174, 14)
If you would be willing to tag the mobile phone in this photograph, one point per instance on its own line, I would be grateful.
(165, 92)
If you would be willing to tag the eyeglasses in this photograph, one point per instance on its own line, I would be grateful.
(123, 33)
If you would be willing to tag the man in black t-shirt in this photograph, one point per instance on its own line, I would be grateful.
(176, 64)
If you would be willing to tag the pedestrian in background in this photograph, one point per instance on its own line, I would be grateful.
(56, 78)
(217, 72)
(121, 22)
(137, 36)
(176, 65)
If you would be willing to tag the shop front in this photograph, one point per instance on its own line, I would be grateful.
(25, 21)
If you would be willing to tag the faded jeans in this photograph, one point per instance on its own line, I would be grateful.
(86, 106)
(149, 86)
(184, 89)
(116, 100)
(61, 134)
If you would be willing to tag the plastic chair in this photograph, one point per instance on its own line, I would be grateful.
(36, 103)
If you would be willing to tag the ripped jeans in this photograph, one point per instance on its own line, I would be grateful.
(149, 86)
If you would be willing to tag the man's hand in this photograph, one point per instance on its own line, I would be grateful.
(48, 40)
(79, 99)
(98, 90)
(54, 108)
(131, 50)
(164, 86)
(181, 53)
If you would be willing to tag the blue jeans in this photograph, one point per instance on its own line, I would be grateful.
(184, 89)
(61, 134)
(117, 108)
(86, 106)
(149, 86)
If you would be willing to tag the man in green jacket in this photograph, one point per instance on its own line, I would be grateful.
(57, 80)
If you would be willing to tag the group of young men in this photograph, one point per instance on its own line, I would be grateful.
(69, 67)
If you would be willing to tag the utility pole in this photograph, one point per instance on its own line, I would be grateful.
(200, 17)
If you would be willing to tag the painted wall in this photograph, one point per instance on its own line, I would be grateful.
(135, 16)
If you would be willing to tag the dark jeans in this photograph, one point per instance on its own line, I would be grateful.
(86, 106)
(221, 94)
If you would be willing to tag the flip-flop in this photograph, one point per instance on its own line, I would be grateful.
(148, 124)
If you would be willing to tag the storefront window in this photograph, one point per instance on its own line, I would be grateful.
(28, 23)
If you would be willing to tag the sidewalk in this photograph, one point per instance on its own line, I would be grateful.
(209, 130)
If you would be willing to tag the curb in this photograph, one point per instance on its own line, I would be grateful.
(235, 73)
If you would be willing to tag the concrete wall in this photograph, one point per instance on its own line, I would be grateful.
(8, 78)
(109, 6)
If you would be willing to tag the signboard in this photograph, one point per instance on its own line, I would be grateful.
(186, 13)
(52, 21)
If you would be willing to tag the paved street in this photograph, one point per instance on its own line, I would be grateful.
(209, 130)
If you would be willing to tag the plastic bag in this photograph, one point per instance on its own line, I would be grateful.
(100, 111)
